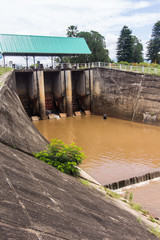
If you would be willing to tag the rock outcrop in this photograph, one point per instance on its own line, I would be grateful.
(17, 129)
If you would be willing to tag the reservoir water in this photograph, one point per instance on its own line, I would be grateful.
(115, 150)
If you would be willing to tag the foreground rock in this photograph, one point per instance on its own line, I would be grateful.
(39, 202)
(17, 129)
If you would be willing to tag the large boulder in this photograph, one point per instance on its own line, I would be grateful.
(17, 129)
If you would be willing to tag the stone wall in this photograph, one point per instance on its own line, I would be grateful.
(17, 129)
(126, 95)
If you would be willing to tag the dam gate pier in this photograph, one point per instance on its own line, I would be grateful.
(54, 91)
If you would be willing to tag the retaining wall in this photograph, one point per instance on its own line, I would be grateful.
(126, 95)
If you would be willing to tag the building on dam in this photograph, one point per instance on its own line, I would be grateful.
(57, 90)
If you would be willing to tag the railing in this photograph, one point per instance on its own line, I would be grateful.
(116, 66)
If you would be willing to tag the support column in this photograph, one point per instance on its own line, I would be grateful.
(41, 91)
(34, 62)
(33, 94)
(91, 90)
(68, 80)
(88, 89)
(4, 64)
(52, 61)
(27, 62)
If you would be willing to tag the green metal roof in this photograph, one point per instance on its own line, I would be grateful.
(23, 45)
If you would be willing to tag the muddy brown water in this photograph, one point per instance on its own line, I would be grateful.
(115, 150)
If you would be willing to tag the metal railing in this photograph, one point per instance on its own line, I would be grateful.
(115, 66)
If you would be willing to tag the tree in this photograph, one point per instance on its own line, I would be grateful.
(125, 45)
(72, 31)
(97, 45)
(137, 50)
(154, 44)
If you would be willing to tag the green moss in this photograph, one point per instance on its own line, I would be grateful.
(84, 182)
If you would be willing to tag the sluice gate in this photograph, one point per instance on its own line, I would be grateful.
(54, 91)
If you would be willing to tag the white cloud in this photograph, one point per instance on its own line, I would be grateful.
(52, 17)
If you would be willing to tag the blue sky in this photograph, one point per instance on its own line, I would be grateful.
(52, 17)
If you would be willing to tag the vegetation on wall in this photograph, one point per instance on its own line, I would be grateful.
(62, 156)
(4, 70)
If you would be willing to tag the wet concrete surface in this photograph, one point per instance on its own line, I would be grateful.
(39, 202)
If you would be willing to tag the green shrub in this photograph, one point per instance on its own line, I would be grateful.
(144, 64)
(124, 63)
(154, 65)
(62, 156)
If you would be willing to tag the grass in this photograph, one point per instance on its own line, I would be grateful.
(139, 219)
(84, 182)
(112, 194)
(155, 231)
(138, 69)
(152, 219)
(4, 70)
(138, 207)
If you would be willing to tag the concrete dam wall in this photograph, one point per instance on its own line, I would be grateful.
(120, 94)
(126, 95)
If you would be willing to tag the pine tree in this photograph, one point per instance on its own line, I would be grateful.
(125, 45)
(153, 53)
(137, 51)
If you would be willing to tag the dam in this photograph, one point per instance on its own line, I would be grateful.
(40, 202)
(119, 94)
(54, 91)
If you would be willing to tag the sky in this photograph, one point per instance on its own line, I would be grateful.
(52, 17)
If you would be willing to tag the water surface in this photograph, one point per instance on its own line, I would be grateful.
(115, 149)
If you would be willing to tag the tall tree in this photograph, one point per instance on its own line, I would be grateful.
(72, 31)
(97, 45)
(137, 51)
(153, 53)
(125, 45)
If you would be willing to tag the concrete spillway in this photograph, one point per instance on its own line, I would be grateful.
(133, 180)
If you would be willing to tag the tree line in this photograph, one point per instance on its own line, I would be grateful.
(129, 47)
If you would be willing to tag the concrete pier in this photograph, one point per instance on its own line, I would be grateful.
(42, 108)
(68, 93)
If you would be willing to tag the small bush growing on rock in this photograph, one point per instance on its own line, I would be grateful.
(62, 156)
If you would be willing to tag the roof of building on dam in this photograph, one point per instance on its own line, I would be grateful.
(31, 45)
